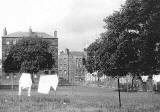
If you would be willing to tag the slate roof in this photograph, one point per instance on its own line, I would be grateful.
(27, 34)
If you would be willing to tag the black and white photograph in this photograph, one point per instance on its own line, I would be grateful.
(79, 56)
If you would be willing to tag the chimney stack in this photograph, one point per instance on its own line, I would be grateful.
(55, 34)
(30, 30)
(67, 51)
(4, 31)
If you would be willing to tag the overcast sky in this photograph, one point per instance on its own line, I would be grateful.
(78, 22)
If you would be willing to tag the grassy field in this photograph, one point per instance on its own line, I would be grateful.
(79, 99)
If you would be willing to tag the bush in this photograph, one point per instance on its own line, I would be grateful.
(128, 87)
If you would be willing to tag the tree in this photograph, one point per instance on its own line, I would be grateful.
(137, 24)
(131, 41)
(92, 61)
(30, 54)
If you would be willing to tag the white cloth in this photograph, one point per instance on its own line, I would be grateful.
(144, 78)
(156, 79)
(46, 82)
(25, 81)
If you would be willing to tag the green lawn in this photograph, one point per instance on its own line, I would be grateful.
(79, 99)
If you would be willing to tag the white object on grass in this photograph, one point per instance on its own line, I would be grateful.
(156, 79)
(46, 82)
(25, 82)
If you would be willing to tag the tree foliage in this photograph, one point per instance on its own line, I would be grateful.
(131, 41)
(92, 59)
(30, 54)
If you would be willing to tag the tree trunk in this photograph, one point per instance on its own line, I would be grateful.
(32, 77)
(142, 83)
(98, 78)
(132, 81)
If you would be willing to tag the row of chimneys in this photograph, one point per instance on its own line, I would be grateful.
(30, 31)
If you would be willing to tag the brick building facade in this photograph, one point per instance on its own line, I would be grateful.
(70, 65)
(10, 39)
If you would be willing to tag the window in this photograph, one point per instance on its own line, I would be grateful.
(77, 64)
(7, 53)
(65, 71)
(52, 72)
(14, 75)
(80, 60)
(7, 76)
(7, 43)
(65, 65)
(60, 67)
(65, 60)
(14, 42)
(46, 72)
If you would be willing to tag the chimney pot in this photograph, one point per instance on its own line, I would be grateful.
(55, 34)
(4, 31)
(30, 30)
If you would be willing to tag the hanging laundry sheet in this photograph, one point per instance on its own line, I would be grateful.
(46, 82)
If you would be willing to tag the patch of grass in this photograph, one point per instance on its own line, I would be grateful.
(79, 99)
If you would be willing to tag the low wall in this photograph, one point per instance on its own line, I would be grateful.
(15, 87)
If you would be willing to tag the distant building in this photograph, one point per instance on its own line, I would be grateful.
(10, 39)
(70, 65)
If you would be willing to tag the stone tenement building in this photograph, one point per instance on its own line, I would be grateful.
(10, 39)
(70, 66)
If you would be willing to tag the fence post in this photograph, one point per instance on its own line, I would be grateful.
(11, 81)
(119, 93)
